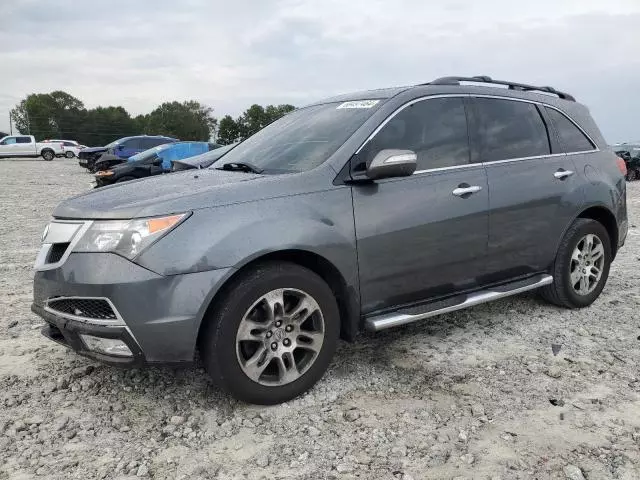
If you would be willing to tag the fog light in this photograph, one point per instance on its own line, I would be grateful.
(107, 346)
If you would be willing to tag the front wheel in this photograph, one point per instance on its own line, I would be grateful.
(48, 155)
(272, 335)
(581, 267)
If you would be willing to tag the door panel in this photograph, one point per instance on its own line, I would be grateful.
(529, 211)
(533, 192)
(416, 239)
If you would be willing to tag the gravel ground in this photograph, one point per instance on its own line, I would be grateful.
(473, 395)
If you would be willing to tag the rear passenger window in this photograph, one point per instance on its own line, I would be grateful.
(571, 138)
(510, 129)
(24, 140)
(435, 129)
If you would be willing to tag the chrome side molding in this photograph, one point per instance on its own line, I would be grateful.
(394, 319)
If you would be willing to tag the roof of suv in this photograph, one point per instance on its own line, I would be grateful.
(488, 85)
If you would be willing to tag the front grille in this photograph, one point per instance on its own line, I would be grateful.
(89, 308)
(57, 252)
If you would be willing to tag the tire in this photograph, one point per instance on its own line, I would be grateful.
(125, 179)
(562, 291)
(69, 154)
(47, 155)
(224, 347)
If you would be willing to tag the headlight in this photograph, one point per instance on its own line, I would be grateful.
(126, 237)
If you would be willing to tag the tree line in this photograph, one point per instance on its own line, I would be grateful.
(61, 115)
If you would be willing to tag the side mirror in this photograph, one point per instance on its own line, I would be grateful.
(392, 163)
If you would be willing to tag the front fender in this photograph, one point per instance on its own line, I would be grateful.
(233, 235)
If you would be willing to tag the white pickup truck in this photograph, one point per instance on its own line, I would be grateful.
(26, 146)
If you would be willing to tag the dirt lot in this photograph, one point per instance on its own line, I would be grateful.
(473, 395)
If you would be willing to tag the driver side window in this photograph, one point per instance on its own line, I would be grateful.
(9, 141)
(435, 129)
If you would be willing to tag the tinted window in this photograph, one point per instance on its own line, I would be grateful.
(69, 144)
(134, 144)
(509, 129)
(9, 141)
(23, 140)
(571, 138)
(151, 142)
(436, 130)
(304, 138)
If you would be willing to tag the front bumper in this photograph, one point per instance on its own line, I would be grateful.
(160, 314)
(67, 332)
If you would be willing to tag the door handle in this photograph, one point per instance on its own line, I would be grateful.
(461, 191)
(562, 174)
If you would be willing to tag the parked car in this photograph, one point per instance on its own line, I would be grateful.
(630, 153)
(71, 147)
(154, 161)
(119, 150)
(364, 211)
(203, 160)
(26, 146)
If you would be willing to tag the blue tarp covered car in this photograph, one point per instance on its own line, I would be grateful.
(151, 162)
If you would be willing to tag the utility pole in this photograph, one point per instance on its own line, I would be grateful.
(10, 124)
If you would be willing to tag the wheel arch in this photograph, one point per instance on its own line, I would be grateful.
(47, 149)
(603, 215)
(346, 297)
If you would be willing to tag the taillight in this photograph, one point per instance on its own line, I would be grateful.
(621, 165)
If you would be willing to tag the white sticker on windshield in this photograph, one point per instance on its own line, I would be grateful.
(358, 104)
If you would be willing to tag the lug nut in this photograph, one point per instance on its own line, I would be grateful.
(278, 323)
(286, 342)
(288, 328)
(274, 346)
(269, 333)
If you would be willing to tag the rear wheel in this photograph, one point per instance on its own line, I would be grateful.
(581, 267)
(273, 334)
(69, 154)
(48, 155)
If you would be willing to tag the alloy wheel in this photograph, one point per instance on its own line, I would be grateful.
(587, 263)
(280, 337)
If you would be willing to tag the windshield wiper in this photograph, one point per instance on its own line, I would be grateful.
(240, 167)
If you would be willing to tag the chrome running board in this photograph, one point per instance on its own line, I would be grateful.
(413, 314)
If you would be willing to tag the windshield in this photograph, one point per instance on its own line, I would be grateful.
(303, 139)
(115, 142)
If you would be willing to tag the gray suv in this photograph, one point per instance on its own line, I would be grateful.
(363, 211)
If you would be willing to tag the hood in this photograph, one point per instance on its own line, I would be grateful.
(179, 192)
(93, 149)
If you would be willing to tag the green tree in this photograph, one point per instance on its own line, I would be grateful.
(188, 120)
(48, 114)
(228, 131)
(255, 118)
(104, 125)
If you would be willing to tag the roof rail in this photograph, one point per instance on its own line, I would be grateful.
(511, 85)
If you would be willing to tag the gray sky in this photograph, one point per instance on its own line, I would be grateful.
(230, 54)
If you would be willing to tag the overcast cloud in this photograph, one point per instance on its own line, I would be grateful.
(230, 54)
